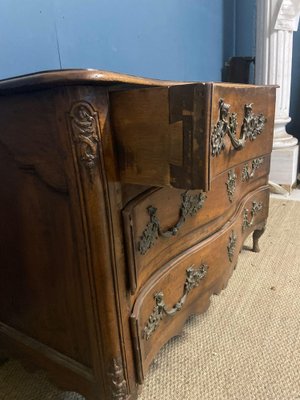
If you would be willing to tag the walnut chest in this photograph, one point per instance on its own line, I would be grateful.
(124, 205)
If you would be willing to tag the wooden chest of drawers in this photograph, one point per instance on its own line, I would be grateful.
(124, 204)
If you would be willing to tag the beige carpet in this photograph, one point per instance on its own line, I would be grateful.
(246, 346)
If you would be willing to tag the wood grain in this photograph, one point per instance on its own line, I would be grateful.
(83, 154)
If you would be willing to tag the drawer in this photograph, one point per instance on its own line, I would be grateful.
(183, 286)
(242, 123)
(182, 136)
(163, 222)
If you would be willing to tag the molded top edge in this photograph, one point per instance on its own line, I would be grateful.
(53, 78)
(67, 77)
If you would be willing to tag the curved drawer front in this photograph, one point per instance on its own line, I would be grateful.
(183, 286)
(163, 222)
(241, 125)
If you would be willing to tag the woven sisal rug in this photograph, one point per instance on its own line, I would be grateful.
(246, 346)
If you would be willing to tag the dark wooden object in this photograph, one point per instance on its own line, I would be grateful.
(237, 69)
(124, 204)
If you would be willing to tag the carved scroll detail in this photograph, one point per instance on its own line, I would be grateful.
(190, 205)
(246, 173)
(118, 383)
(231, 245)
(86, 133)
(193, 278)
(231, 184)
(256, 207)
(227, 125)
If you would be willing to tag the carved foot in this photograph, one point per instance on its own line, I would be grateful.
(256, 235)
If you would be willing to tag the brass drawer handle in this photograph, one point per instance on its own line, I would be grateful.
(231, 184)
(252, 126)
(190, 205)
(256, 207)
(231, 245)
(193, 277)
(246, 173)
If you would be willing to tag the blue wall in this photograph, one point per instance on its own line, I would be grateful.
(27, 37)
(168, 39)
(245, 28)
(239, 28)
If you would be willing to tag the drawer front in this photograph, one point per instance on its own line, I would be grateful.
(183, 286)
(161, 223)
(242, 122)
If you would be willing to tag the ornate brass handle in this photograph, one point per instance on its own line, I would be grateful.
(246, 173)
(227, 125)
(231, 184)
(190, 205)
(256, 207)
(193, 277)
(231, 245)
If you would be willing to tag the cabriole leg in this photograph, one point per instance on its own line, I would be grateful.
(256, 235)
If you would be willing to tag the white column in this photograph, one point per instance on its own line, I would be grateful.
(276, 21)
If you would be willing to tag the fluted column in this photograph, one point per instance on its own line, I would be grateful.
(276, 21)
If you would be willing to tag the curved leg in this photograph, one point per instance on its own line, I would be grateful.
(256, 235)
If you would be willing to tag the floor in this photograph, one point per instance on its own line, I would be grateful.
(295, 195)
